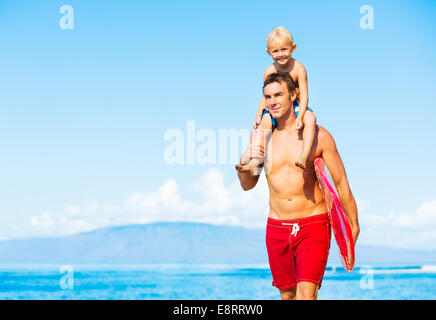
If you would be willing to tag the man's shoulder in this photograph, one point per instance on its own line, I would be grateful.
(325, 138)
(323, 132)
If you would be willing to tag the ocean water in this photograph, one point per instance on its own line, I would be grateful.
(199, 282)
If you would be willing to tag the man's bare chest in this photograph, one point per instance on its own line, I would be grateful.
(283, 150)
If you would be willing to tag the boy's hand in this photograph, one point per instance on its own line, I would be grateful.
(257, 122)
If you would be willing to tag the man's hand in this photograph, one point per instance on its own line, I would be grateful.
(355, 230)
(250, 166)
(252, 152)
(251, 160)
(256, 152)
(242, 168)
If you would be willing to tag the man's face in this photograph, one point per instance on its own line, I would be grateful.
(277, 99)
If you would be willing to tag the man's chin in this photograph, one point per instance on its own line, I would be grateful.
(275, 115)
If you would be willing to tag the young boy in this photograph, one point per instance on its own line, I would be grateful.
(280, 46)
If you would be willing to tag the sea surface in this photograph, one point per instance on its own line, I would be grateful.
(199, 282)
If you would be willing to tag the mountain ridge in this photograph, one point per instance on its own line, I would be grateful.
(176, 242)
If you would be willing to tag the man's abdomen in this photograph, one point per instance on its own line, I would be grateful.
(296, 205)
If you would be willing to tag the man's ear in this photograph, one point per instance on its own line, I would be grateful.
(294, 95)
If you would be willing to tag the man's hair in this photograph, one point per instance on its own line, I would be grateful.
(279, 78)
(280, 33)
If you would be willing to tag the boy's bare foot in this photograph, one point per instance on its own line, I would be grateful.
(302, 161)
(255, 166)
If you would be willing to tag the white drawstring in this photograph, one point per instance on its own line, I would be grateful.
(295, 228)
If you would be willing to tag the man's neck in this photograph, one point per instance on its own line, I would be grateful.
(288, 120)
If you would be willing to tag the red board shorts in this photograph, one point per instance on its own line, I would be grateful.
(298, 249)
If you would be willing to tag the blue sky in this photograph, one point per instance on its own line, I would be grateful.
(84, 112)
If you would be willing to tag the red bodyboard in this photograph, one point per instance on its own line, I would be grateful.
(338, 218)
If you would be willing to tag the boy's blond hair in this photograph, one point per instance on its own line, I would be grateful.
(279, 33)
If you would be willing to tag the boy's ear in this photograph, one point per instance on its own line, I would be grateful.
(267, 51)
(294, 46)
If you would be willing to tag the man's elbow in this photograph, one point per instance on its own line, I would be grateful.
(247, 187)
(247, 181)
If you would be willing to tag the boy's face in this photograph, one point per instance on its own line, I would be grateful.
(281, 51)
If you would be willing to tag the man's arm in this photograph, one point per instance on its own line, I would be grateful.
(336, 167)
(246, 178)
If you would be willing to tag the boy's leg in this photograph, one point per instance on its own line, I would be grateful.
(309, 127)
(258, 137)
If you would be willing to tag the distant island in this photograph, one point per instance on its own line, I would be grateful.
(175, 242)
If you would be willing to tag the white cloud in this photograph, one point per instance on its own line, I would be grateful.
(362, 204)
(413, 230)
(215, 202)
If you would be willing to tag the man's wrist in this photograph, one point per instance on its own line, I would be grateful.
(354, 226)
(244, 159)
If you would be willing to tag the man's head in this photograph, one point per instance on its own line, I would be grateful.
(279, 93)
(280, 45)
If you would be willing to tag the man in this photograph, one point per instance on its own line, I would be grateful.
(298, 230)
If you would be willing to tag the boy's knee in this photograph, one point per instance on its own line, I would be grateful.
(309, 118)
(265, 123)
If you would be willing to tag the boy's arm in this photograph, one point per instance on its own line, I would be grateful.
(336, 167)
(262, 104)
(304, 93)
